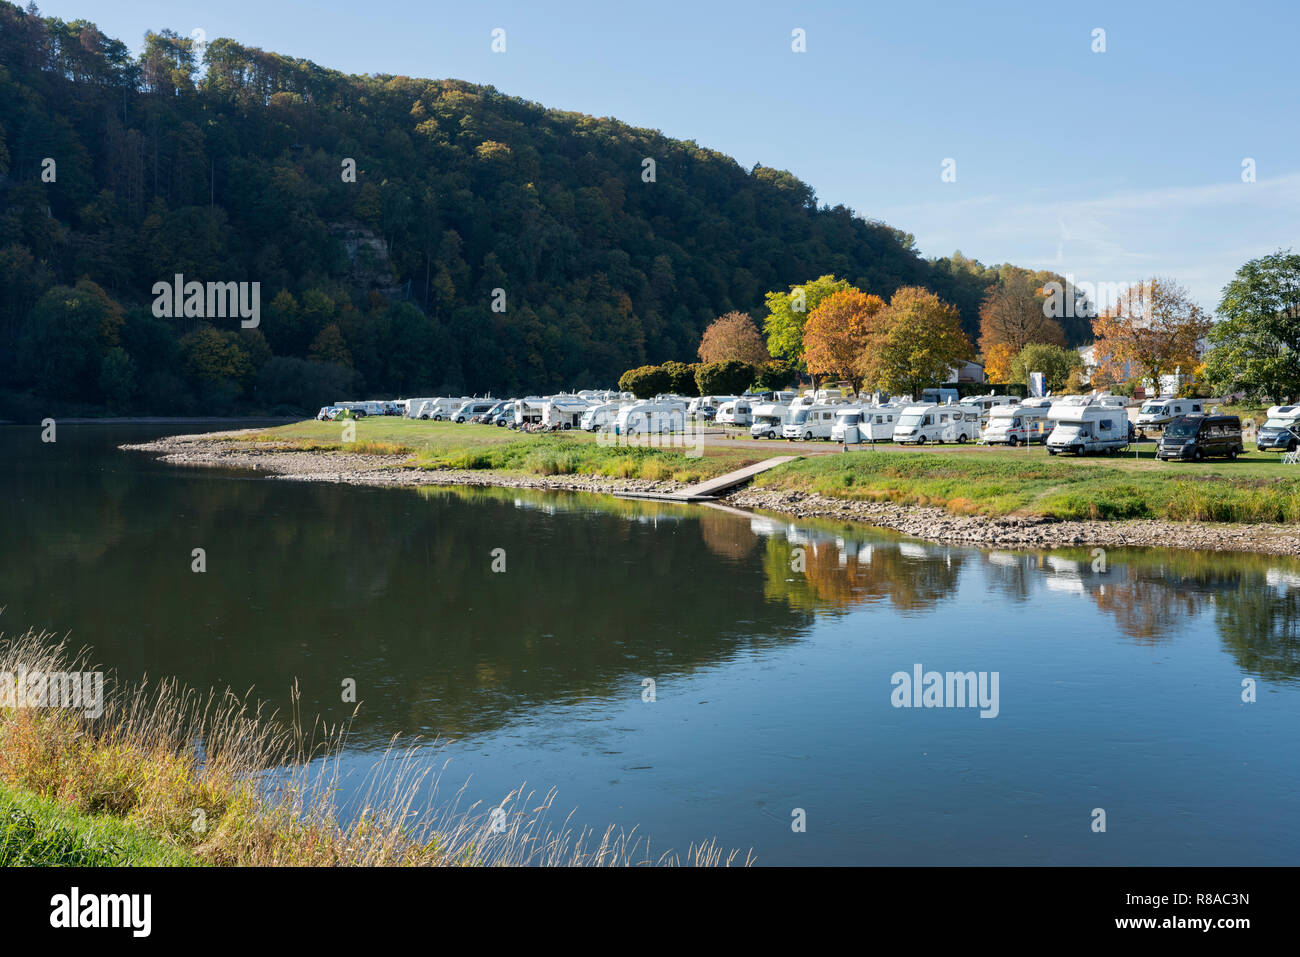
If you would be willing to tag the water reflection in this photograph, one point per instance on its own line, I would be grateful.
(395, 588)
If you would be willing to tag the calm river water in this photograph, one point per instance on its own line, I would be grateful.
(772, 647)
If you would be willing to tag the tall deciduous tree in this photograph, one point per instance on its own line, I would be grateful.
(788, 311)
(733, 336)
(1012, 313)
(837, 333)
(997, 362)
(1153, 329)
(1255, 346)
(914, 343)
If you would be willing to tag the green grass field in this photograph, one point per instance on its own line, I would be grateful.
(446, 445)
(1027, 481)
(39, 832)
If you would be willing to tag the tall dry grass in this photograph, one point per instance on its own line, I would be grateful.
(220, 777)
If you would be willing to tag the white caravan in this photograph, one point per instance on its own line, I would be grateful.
(937, 423)
(1086, 426)
(768, 420)
(735, 412)
(1157, 413)
(810, 422)
(1018, 424)
(650, 417)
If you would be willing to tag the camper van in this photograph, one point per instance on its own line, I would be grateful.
(987, 404)
(810, 422)
(735, 412)
(865, 423)
(564, 412)
(436, 409)
(1157, 413)
(468, 410)
(599, 417)
(1017, 424)
(1281, 430)
(938, 396)
(769, 418)
(1198, 437)
(706, 406)
(937, 423)
(650, 417)
(1081, 427)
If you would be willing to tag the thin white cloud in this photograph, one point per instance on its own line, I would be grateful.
(1198, 235)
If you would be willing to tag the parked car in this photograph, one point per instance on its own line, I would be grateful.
(1196, 437)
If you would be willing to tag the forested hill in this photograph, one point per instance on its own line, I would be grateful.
(233, 167)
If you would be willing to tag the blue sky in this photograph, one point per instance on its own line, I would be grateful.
(1108, 166)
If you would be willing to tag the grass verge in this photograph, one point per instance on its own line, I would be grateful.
(446, 445)
(1029, 482)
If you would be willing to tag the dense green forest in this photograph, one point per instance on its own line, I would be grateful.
(118, 172)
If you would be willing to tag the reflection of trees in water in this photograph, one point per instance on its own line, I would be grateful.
(1147, 609)
(836, 577)
(321, 582)
(725, 535)
(1259, 625)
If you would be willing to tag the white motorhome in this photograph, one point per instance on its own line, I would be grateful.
(467, 410)
(1157, 413)
(564, 411)
(936, 423)
(988, 403)
(1281, 429)
(1018, 424)
(735, 412)
(1087, 426)
(437, 409)
(810, 422)
(938, 396)
(599, 417)
(706, 405)
(865, 423)
(768, 420)
(650, 417)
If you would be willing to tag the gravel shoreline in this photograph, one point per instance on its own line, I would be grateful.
(933, 524)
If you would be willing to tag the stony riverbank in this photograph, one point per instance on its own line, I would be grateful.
(284, 461)
(936, 524)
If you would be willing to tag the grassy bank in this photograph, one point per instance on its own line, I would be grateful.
(41, 832)
(169, 776)
(1001, 482)
(446, 445)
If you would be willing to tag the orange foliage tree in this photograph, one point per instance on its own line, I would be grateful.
(837, 332)
(733, 336)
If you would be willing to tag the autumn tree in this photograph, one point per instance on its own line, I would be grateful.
(997, 362)
(914, 343)
(1012, 313)
(733, 336)
(788, 311)
(837, 333)
(1153, 329)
